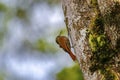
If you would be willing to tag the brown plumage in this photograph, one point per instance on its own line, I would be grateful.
(64, 43)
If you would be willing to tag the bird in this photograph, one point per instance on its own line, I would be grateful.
(64, 43)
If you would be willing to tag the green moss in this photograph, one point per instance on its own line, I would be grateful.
(101, 39)
(93, 42)
(97, 42)
(94, 3)
(112, 16)
(118, 45)
(96, 25)
(102, 51)
(109, 75)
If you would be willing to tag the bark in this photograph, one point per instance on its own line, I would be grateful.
(78, 16)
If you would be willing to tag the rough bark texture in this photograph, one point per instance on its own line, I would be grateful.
(78, 15)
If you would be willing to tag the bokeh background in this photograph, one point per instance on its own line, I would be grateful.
(28, 50)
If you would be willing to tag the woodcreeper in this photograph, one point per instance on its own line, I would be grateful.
(64, 43)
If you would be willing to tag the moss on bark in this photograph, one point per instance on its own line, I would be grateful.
(102, 51)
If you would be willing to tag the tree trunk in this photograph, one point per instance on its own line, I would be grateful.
(79, 16)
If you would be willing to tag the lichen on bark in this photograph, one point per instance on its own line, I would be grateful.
(102, 52)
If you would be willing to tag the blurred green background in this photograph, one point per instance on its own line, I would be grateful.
(28, 50)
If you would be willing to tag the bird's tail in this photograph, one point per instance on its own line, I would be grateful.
(72, 56)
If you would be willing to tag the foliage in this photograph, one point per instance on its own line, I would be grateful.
(21, 13)
(1, 37)
(61, 31)
(3, 7)
(53, 1)
(2, 75)
(72, 73)
(44, 46)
